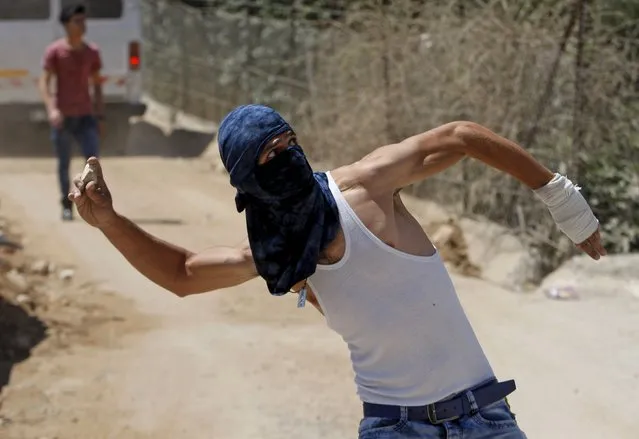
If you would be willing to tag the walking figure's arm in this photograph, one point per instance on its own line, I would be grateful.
(96, 81)
(49, 69)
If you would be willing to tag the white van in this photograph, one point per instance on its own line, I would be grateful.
(27, 27)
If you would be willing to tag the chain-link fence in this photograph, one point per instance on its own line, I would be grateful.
(557, 77)
(205, 61)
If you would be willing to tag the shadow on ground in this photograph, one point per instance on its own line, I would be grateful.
(23, 136)
(158, 221)
(148, 140)
(19, 334)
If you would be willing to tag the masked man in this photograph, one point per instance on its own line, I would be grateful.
(345, 241)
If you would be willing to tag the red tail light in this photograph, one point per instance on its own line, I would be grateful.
(134, 55)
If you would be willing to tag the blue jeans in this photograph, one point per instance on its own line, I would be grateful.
(494, 421)
(84, 130)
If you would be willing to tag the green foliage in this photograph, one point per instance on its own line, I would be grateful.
(311, 10)
(611, 185)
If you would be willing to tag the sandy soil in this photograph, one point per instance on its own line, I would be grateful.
(240, 364)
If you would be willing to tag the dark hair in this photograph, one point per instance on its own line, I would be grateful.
(69, 11)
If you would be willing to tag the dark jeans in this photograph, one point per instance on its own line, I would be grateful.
(494, 421)
(84, 129)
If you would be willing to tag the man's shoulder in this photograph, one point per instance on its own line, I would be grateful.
(367, 173)
(55, 46)
(92, 47)
(357, 176)
(345, 177)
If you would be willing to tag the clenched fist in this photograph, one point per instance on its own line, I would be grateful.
(91, 195)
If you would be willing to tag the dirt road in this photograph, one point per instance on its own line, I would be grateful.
(240, 364)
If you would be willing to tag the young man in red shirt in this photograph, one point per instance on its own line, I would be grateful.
(74, 65)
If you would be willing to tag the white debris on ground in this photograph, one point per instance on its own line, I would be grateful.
(611, 276)
(28, 289)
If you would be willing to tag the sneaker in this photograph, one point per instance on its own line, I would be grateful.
(67, 214)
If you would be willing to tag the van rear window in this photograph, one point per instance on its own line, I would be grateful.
(99, 9)
(24, 10)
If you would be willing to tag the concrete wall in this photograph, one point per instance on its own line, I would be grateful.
(148, 129)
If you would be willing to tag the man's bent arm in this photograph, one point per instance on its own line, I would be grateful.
(418, 157)
(176, 269)
(500, 153)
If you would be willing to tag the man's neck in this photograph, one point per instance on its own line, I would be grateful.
(75, 42)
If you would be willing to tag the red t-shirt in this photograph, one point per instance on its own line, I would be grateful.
(72, 68)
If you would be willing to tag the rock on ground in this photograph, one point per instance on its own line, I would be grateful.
(611, 276)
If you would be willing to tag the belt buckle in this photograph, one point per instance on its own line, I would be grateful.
(432, 416)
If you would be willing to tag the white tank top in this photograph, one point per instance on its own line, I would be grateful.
(410, 341)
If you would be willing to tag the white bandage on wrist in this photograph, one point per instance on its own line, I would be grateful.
(568, 208)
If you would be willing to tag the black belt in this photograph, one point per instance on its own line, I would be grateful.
(447, 410)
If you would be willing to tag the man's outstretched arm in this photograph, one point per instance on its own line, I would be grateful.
(176, 269)
(172, 267)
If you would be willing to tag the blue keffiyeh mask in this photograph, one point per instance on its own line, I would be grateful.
(291, 215)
